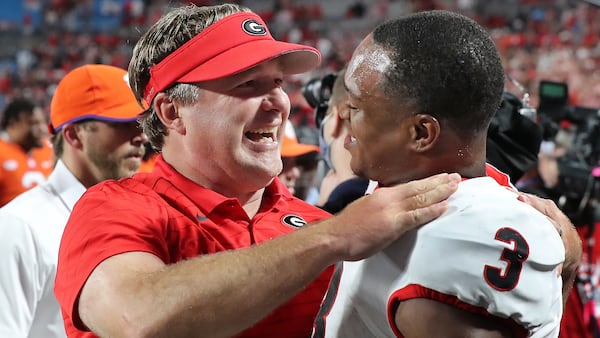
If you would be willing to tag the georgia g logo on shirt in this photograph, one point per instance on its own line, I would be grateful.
(294, 221)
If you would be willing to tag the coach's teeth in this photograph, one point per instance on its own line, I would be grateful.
(262, 135)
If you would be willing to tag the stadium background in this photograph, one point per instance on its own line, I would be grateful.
(552, 40)
(43, 39)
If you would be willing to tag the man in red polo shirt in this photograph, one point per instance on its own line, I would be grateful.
(207, 243)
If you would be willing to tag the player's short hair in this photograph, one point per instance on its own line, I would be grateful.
(445, 65)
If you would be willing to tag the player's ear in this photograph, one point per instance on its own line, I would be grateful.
(425, 132)
(168, 112)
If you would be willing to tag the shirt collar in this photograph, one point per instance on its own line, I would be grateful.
(207, 199)
(500, 177)
(65, 184)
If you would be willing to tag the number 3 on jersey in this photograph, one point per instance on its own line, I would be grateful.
(507, 279)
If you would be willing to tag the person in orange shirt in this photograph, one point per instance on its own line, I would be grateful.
(150, 156)
(26, 157)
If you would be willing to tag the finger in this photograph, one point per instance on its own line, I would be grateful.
(425, 185)
(435, 190)
(556, 225)
(548, 208)
(420, 216)
(524, 197)
(542, 204)
(545, 206)
(428, 205)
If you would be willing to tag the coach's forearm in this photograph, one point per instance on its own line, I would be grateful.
(136, 295)
(219, 295)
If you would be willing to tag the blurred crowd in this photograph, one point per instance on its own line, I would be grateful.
(538, 39)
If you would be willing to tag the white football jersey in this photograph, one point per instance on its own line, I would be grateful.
(488, 251)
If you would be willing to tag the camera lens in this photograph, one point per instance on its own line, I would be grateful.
(312, 92)
(317, 92)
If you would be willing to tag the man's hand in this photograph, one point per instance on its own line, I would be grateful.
(570, 237)
(371, 223)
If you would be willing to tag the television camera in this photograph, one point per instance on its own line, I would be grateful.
(578, 130)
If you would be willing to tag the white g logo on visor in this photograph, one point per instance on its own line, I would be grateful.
(253, 27)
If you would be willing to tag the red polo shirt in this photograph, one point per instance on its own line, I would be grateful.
(169, 216)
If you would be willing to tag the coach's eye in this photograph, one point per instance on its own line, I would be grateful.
(247, 84)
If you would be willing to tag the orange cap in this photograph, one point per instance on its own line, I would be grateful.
(96, 92)
(291, 147)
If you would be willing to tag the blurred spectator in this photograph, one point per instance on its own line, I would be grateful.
(148, 159)
(538, 39)
(356, 10)
(340, 185)
(299, 161)
(96, 137)
(25, 154)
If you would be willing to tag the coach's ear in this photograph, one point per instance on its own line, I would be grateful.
(70, 133)
(168, 112)
(425, 130)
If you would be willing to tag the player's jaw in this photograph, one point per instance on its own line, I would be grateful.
(351, 144)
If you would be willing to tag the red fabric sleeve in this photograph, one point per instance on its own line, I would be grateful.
(418, 291)
(102, 226)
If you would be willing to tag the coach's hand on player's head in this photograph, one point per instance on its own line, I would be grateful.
(371, 223)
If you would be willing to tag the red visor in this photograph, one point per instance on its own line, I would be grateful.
(229, 46)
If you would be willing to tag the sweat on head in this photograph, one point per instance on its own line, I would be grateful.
(441, 85)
